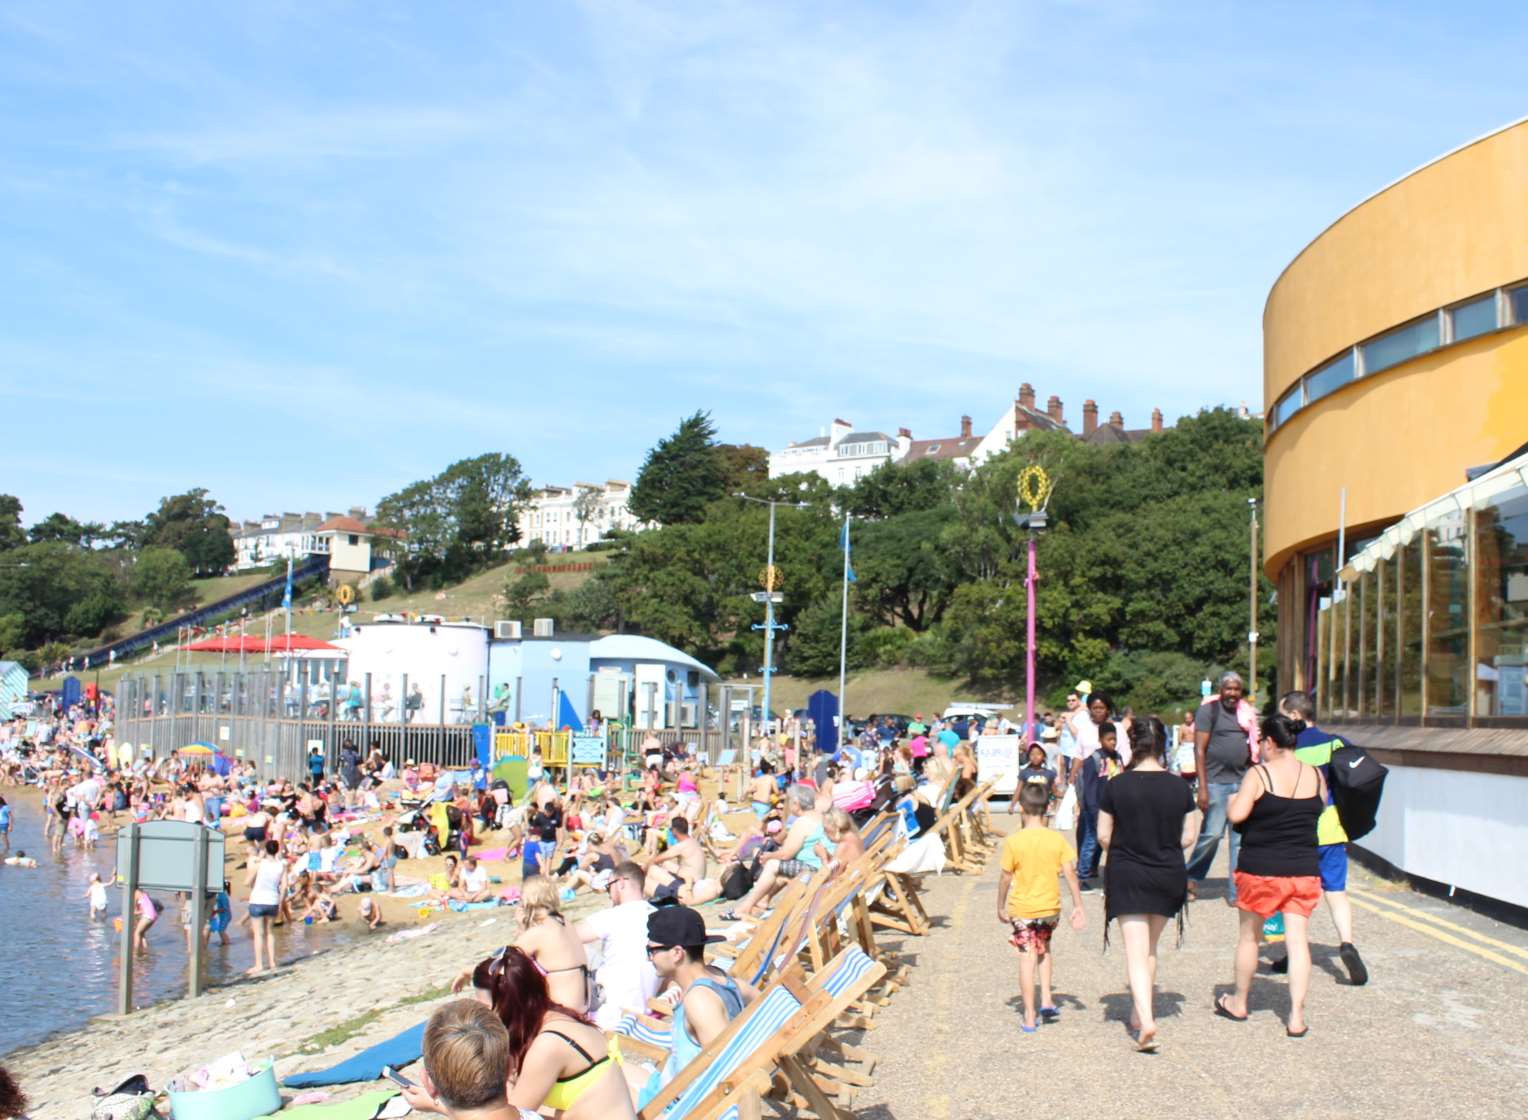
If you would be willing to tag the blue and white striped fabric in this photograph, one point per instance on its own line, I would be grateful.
(853, 967)
(880, 827)
(771, 1013)
(632, 1026)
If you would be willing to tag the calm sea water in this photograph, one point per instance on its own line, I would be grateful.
(60, 968)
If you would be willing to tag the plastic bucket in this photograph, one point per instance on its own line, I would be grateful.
(248, 1099)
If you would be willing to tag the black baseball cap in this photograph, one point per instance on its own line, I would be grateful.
(679, 925)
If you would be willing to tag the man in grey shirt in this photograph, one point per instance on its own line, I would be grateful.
(1222, 754)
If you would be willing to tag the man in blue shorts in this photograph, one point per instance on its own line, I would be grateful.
(1314, 747)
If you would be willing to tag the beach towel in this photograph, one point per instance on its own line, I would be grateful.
(364, 1107)
(490, 853)
(397, 1052)
(459, 906)
(413, 890)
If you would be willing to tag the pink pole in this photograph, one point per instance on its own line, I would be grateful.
(1029, 653)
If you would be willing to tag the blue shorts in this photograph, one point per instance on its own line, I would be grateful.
(218, 922)
(760, 809)
(262, 910)
(1334, 866)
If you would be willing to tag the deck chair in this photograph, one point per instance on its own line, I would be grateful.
(771, 1033)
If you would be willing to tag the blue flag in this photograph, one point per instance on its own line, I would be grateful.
(849, 576)
(286, 598)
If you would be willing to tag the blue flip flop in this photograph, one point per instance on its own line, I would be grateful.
(1050, 1014)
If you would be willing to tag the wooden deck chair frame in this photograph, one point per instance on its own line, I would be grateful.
(770, 1033)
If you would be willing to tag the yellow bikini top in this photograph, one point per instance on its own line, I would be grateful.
(568, 1090)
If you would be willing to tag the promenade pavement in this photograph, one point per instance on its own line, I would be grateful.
(1440, 1031)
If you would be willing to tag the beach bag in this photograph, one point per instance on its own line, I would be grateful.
(737, 882)
(1066, 812)
(131, 1100)
(1357, 783)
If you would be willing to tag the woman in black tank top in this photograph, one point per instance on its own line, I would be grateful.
(1278, 870)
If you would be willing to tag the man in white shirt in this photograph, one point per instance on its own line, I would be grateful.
(624, 976)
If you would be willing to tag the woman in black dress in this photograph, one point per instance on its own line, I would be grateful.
(1147, 825)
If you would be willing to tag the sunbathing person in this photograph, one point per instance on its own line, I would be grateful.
(557, 1059)
(552, 944)
(473, 883)
(800, 854)
(843, 837)
(679, 873)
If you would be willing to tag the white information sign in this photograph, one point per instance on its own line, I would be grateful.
(997, 760)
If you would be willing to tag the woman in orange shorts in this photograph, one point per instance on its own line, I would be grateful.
(1279, 868)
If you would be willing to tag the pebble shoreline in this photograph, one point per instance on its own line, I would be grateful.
(271, 1016)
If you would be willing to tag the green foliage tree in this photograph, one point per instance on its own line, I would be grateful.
(681, 476)
(60, 590)
(458, 522)
(523, 591)
(13, 632)
(11, 533)
(744, 467)
(195, 526)
(162, 578)
(61, 527)
(381, 588)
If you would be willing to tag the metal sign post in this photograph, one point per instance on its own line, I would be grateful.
(171, 856)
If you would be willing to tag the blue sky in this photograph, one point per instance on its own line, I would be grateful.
(305, 253)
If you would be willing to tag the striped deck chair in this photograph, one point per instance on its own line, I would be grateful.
(769, 1033)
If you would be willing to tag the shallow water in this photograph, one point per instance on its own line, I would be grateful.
(58, 968)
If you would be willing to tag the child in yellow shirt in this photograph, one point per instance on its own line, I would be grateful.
(1029, 898)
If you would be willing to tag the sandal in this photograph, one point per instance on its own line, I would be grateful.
(1050, 1014)
(1224, 1011)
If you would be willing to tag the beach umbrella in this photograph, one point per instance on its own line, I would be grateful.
(198, 750)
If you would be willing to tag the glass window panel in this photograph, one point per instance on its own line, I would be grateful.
(1384, 686)
(1288, 405)
(1501, 560)
(1324, 662)
(1448, 627)
(1474, 318)
(1410, 590)
(1345, 650)
(1368, 605)
(1517, 306)
(1329, 378)
(1397, 346)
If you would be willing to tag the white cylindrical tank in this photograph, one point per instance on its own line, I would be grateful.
(423, 653)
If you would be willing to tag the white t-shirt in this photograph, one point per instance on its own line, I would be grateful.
(475, 879)
(625, 976)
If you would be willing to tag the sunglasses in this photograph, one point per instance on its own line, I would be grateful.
(651, 949)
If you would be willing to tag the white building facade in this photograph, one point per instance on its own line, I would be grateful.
(275, 537)
(841, 455)
(574, 517)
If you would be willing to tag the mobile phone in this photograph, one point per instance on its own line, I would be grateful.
(397, 1078)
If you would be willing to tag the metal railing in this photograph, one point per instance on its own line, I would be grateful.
(249, 718)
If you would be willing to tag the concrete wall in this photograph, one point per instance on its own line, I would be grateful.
(425, 652)
(529, 666)
(1460, 828)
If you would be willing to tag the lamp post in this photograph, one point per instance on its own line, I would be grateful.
(1034, 491)
(769, 596)
(1252, 603)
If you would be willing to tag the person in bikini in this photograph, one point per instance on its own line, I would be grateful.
(680, 872)
(546, 936)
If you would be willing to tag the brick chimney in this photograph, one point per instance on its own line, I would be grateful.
(1053, 409)
(905, 433)
(1027, 395)
(965, 427)
(1116, 420)
(1089, 417)
(1156, 419)
(1020, 417)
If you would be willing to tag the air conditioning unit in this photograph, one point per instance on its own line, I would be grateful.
(542, 627)
(509, 629)
(687, 712)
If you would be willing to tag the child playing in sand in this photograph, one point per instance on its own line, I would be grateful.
(96, 894)
(371, 913)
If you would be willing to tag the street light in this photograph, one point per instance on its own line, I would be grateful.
(769, 595)
(1034, 491)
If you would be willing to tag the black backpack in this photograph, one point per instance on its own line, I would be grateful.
(737, 882)
(1357, 783)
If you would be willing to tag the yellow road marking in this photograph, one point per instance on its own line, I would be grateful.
(1447, 938)
(1516, 950)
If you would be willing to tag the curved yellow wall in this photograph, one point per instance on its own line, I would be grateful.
(1449, 230)
(1401, 437)
(1395, 440)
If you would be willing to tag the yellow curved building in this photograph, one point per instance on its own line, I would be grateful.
(1395, 359)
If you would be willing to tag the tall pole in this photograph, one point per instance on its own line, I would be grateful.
(769, 615)
(1252, 601)
(1029, 645)
(843, 643)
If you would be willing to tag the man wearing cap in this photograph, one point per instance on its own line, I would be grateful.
(709, 1000)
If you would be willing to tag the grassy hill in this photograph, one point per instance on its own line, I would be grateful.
(902, 691)
(476, 598)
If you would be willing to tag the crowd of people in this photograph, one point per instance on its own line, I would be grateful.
(1149, 820)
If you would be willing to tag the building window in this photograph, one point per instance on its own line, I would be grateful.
(1472, 319)
(1402, 344)
(1329, 378)
(352, 539)
(1501, 575)
(1409, 568)
(1448, 621)
(1288, 405)
(1517, 306)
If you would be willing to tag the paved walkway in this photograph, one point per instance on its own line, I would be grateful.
(1441, 1030)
